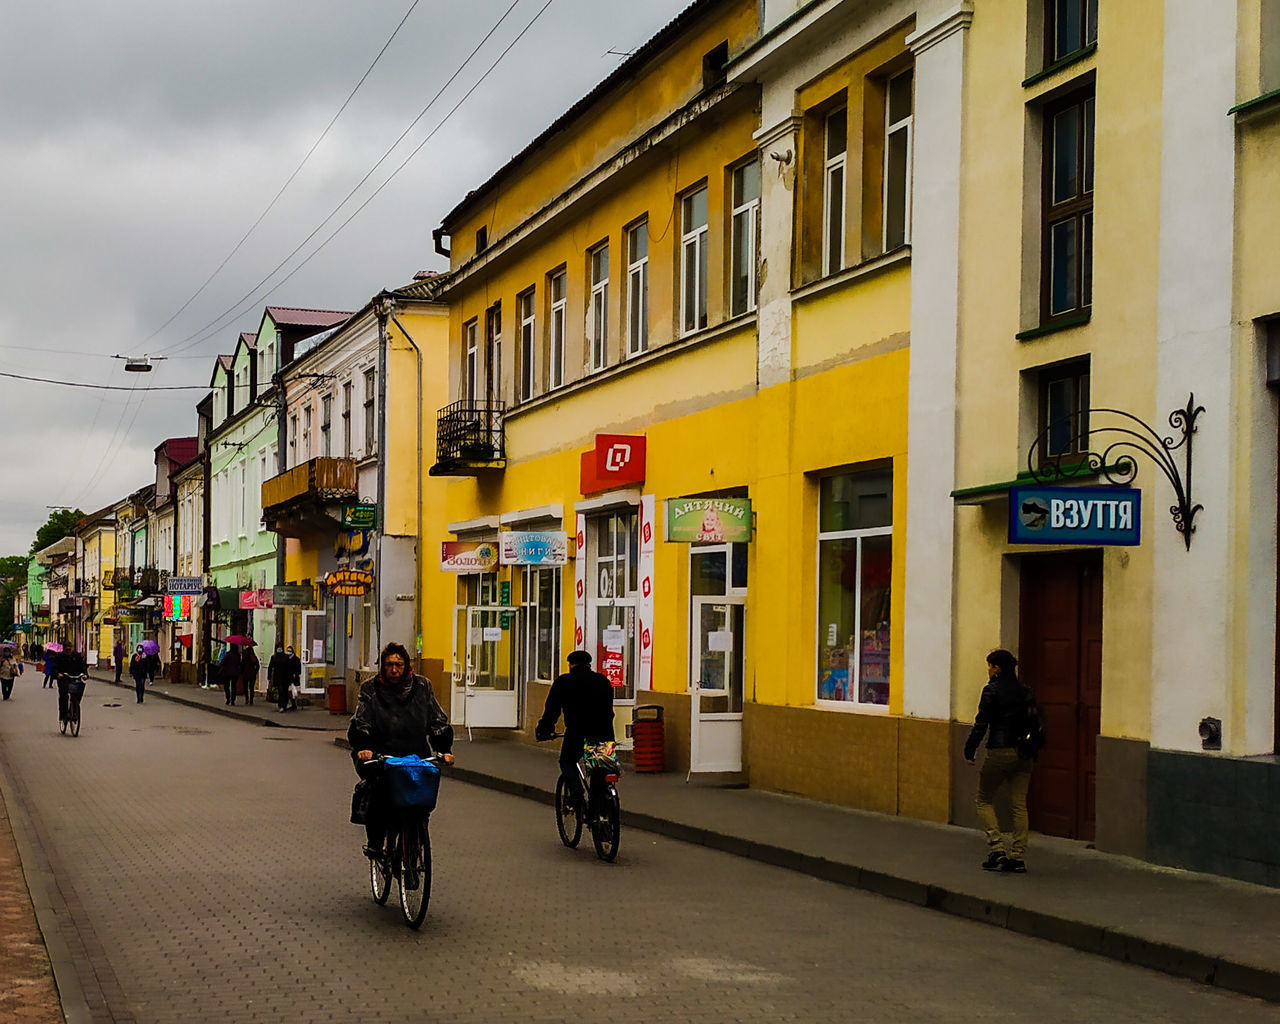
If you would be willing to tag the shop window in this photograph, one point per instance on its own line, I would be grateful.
(897, 160)
(612, 589)
(744, 237)
(598, 308)
(835, 151)
(638, 288)
(1063, 418)
(557, 290)
(1066, 289)
(542, 623)
(1069, 26)
(693, 262)
(528, 358)
(855, 547)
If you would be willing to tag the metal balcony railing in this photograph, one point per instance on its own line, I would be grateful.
(470, 437)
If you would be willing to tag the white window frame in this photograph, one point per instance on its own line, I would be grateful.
(746, 213)
(557, 327)
(265, 476)
(493, 332)
(693, 239)
(598, 307)
(293, 440)
(471, 359)
(528, 344)
(244, 498)
(370, 410)
(308, 414)
(532, 607)
(905, 124)
(326, 425)
(637, 290)
(348, 388)
(832, 163)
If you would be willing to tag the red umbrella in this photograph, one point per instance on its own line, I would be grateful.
(240, 641)
(184, 639)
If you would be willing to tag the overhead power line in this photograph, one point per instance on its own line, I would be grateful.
(107, 387)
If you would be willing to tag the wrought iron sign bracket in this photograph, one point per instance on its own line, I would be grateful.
(1128, 437)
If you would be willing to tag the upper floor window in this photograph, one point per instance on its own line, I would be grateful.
(471, 357)
(897, 160)
(1069, 25)
(1269, 47)
(293, 440)
(835, 150)
(598, 308)
(1067, 183)
(693, 261)
(524, 313)
(1063, 413)
(326, 423)
(558, 291)
(744, 240)
(370, 420)
(346, 419)
(307, 415)
(493, 358)
(638, 288)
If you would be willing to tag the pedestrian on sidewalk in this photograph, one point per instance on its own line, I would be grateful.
(249, 666)
(117, 655)
(138, 668)
(229, 672)
(10, 668)
(293, 677)
(278, 677)
(1007, 715)
(49, 657)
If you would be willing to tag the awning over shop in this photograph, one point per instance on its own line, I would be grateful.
(984, 493)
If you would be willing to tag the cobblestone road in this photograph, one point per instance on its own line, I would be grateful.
(208, 873)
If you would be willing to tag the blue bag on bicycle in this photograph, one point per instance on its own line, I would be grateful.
(413, 782)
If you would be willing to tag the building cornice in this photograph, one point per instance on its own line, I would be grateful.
(958, 19)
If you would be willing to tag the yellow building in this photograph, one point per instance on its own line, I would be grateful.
(680, 373)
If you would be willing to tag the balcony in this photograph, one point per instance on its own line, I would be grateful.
(309, 497)
(470, 439)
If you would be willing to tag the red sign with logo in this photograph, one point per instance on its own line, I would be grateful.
(616, 461)
(612, 667)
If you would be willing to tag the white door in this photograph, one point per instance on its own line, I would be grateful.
(314, 669)
(715, 680)
(492, 695)
(458, 673)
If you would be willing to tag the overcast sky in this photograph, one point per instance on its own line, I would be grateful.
(139, 141)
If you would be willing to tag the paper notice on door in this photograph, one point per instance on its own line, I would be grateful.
(317, 650)
(720, 640)
(492, 634)
(614, 637)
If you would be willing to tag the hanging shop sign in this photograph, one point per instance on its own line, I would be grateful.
(175, 607)
(292, 595)
(184, 585)
(358, 516)
(533, 547)
(1075, 515)
(468, 555)
(617, 460)
(709, 520)
(251, 600)
(350, 543)
(349, 582)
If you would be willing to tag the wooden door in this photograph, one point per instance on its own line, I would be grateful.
(1060, 654)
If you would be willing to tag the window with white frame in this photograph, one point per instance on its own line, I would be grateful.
(693, 262)
(855, 556)
(293, 440)
(307, 414)
(542, 613)
(243, 504)
(471, 360)
(326, 424)
(612, 590)
(558, 291)
(638, 288)
(493, 362)
(835, 151)
(744, 232)
(528, 345)
(346, 419)
(598, 308)
(264, 474)
(897, 160)
(370, 420)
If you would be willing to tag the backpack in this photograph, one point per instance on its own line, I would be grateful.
(1031, 737)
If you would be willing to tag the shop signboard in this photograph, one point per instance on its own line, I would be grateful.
(468, 555)
(534, 547)
(292, 595)
(260, 600)
(176, 607)
(709, 520)
(612, 664)
(617, 460)
(1075, 515)
(349, 582)
(359, 516)
(184, 585)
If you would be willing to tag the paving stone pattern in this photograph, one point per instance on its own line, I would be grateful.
(27, 993)
(213, 866)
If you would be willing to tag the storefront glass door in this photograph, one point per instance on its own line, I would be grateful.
(716, 671)
(491, 694)
(312, 655)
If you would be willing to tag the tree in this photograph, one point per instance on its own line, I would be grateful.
(60, 523)
(13, 574)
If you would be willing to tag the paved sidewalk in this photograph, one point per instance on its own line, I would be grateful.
(28, 994)
(1214, 930)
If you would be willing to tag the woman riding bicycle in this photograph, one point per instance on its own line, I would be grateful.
(66, 666)
(396, 714)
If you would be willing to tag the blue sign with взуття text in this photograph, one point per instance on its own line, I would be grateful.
(1075, 515)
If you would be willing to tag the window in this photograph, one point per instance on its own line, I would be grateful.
(524, 313)
(1070, 25)
(326, 422)
(558, 293)
(264, 474)
(370, 423)
(612, 574)
(897, 161)
(243, 521)
(1067, 237)
(744, 233)
(835, 147)
(598, 308)
(346, 419)
(693, 262)
(638, 289)
(1269, 46)
(1064, 410)
(542, 613)
(269, 365)
(307, 415)
(471, 367)
(855, 547)
(493, 360)
(293, 440)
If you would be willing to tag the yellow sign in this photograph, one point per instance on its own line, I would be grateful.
(349, 582)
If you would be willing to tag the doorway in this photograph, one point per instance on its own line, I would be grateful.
(718, 592)
(1060, 653)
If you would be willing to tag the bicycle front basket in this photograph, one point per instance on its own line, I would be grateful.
(75, 688)
(413, 782)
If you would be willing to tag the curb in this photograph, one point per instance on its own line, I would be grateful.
(1113, 944)
(226, 712)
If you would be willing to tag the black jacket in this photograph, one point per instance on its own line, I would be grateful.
(585, 698)
(69, 663)
(278, 669)
(1002, 709)
(399, 722)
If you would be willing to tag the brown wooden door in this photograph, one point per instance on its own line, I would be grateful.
(1060, 658)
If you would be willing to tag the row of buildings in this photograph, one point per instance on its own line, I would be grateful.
(823, 347)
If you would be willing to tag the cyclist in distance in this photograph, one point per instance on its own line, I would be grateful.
(69, 663)
(396, 714)
(585, 698)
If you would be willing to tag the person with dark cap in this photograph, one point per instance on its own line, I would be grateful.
(585, 698)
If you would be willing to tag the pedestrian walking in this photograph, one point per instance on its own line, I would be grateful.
(49, 657)
(278, 677)
(10, 668)
(249, 666)
(138, 668)
(294, 677)
(1008, 716)
(117, 655)
(229, 672)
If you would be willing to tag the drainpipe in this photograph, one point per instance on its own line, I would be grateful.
(383, 304)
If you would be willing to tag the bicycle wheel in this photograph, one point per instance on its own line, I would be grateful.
(62, 724)
(606, 829)
(568, 816)
(380, 878)
(74, 713)
(415, 877)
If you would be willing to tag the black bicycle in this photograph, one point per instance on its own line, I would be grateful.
(75, 691)
(600, 810)
(406, 851)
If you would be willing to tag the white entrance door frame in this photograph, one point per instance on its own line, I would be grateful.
(313, 672)
(492, 694)
(716, 669)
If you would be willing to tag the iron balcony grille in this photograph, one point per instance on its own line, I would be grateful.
(470, 436)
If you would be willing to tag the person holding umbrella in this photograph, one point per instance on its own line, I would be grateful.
(10, 668)
(152, 651)
(229, 671)
(249, 671)
(138, 667)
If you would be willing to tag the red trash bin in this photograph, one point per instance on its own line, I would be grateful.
(647, 734)
(337, 698)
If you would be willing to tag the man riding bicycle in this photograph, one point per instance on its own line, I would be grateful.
(68, 663)
(585, 698)
(396, 714)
